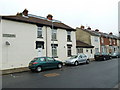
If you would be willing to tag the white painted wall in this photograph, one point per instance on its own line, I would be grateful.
(73, 38)
(0, 44)
(95, 44)
(89, 52)
(22, 48)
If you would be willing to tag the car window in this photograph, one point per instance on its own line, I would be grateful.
(80, 56)
(42, 59)
(49, 59)
(73, 56)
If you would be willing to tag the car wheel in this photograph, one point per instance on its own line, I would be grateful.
(87, 61)
(117, 56)
(76, 63)
(39, 69)
(59, 66)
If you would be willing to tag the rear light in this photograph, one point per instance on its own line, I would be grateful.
(35, 63)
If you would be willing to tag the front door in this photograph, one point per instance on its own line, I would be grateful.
(39, 52)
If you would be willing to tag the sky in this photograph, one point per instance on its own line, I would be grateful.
(97, 14)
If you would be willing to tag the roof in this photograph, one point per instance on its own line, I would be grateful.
(38, 21)
(91, 32)
(96, 33)
(83, 45)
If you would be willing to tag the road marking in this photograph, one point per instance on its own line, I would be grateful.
(51, 75)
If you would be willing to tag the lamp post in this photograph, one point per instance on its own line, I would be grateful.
(52, 39)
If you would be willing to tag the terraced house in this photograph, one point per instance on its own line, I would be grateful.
(25, 36)
(90, 38)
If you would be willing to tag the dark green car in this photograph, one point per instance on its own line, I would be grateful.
(40, 63)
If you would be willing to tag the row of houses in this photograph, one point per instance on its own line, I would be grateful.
(24, 36)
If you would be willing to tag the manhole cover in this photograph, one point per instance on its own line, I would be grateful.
(51, 75)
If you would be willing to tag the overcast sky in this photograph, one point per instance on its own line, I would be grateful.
(98, 14)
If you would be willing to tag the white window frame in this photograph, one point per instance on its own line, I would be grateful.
(54, 34)
(39, 32)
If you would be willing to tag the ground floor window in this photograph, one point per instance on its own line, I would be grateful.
(54, 50)
(79, 50)
(96, 50)
(69, 51)
(39, 44)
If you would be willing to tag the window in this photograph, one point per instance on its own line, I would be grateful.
(86, 50)
(69, 51)
(49, 59)
(54, 50)
(54, 34)
(79, 50)
(91, 51)
(39, 44)
(42, 59)
(69, 36)
(96, 50)
(39, 32)
(96, 39)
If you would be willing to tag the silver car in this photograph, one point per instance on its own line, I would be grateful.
(77, 59)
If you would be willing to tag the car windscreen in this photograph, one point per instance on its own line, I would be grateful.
(74, 56)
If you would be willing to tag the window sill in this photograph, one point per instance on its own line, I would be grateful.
(54, 40)
(69, 41)
(55, 57)
(40, 37)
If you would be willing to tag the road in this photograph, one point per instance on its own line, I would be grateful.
(97, 74)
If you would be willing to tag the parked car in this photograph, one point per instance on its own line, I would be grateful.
(115, 55)
(40, 63)
(77, 59)
(102, 56)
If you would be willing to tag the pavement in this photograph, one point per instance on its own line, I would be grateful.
(15, 70)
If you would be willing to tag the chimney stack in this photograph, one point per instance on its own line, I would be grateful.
(89, 28)
(49, 17)
(25, 12)
(97, 30)
(111, 33)
(82, 27)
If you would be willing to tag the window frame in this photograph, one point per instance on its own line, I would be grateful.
(69, 36)
(39, 32)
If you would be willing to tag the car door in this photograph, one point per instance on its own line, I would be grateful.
(84, 57)
(51, 63)
(80, 59)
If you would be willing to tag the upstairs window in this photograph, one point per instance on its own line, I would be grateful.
(39, 32)
(96, 39)
(54, 34)
(69, 36)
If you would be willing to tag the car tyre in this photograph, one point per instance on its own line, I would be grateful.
(76, 63)
(59, 66)
(39, 69)
(87, 61)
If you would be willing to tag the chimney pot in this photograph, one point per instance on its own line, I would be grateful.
(25, 12)
(97, 30)
(111, 33)
(82, 27)
(49, 16)
(89, 28)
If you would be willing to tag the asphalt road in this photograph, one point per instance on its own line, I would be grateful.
(97, 74)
